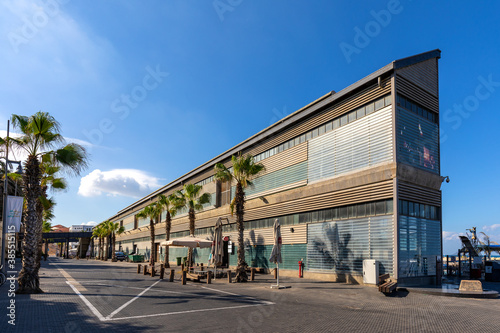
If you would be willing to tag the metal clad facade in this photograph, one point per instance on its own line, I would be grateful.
(365, 142)
(340, 246)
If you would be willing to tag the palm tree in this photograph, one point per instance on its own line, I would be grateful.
(115, 229)
(106, 233)
(40, 135)
(191, 198)
(153, 212)
(244, 169)
(96, 233)
(170, 204)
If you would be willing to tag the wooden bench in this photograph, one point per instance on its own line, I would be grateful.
(385, 284)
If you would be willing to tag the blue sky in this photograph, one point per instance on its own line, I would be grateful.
(154, 89)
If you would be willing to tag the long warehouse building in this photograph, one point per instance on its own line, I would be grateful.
(353, 175)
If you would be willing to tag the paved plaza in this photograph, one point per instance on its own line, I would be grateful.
(95, 296)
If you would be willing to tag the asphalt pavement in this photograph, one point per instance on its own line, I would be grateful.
(96, 296)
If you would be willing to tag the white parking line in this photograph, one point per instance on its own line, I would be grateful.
(91, 307)
(129, 302)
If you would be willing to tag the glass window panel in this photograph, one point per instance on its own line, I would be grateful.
(343, 120)
(335, 213)
(361, 210)
(415, 109)
(408, 104)
(351, 211)
(379, 104)
(427, 209)
(387, 100)
(343, 212)
(336, 123)
(314, 216)
(304, 217)
(380, 208)
(422, 210)
(296, 141)
(321, 130)
(328, 126)
(388, 207)
(433, 213)
(302, 138)
(291, 143)
(285, 145)
(370, 108)
(280, 148)
(352, 116)
(320, 216)
(308, 136)
(295, 218)
(315, 133)
(327, 214)
(360, 112)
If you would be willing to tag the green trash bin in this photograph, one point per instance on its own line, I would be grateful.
(184, 260)
(178, 261)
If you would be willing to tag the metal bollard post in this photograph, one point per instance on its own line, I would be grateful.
(229, 277)
(138, 268)
(209, 277)
(153, 272)
(172, 275)
(275, 273)
(145, 269)
(183, 277)
(162, 272)
(252, 274)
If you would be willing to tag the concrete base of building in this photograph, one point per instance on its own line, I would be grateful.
(417, 281)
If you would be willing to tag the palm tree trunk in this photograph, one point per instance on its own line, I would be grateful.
(168, 226)
(241, 273)
(153, 250)
(113, 254)
(29, 281)
(192, 218)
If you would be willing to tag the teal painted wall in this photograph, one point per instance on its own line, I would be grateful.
(258, 256)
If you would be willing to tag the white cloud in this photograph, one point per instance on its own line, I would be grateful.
(92, 223)
(492, 227)
(124, 182)
(450, 236)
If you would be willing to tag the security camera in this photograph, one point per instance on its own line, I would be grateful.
(447, 179)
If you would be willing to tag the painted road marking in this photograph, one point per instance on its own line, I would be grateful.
(76, 286)
(129, 302)
(70, 279)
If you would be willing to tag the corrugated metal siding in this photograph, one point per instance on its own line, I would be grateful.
(371, 93)
(258, 256)
(285, 158)
(419, 244)
(415, 193)
(417, 94)
(365, 193)
(424, 74)
(277, 179)
(363, 143)
(341, 246)
(417, 141)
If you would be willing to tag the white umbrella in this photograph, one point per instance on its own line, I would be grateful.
(276, 252)
(188, 241)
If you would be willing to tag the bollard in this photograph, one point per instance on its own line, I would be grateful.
(182, 266)
(229, 276)
(138, 268)
(183, 277)
(153, 272)
(172, 275)
(162, 272)
(252, 274)
(201, 267)
(145, 269)
(209, 277)
(275, 273)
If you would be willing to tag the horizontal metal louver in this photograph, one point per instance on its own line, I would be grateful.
(417, 141)
(341, 246)
(412, 192)
(365, 142)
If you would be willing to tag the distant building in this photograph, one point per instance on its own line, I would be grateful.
(81, 228)
(59, 228)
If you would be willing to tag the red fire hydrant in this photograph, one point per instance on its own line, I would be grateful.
(300, 269)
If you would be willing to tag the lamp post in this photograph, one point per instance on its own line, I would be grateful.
(5, 194)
